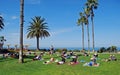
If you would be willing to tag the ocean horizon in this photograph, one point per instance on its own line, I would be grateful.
(71, 48)
(68, 48)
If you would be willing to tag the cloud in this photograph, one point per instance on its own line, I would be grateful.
(14, 17)
(33, 1)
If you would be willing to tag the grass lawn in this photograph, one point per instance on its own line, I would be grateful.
(10, 66)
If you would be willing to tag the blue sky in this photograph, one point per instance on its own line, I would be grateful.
(61, 16)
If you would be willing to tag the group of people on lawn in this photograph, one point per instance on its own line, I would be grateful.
(63, 57)
(74, 59)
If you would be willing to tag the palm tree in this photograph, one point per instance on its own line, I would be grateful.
(87, 13)
(81, 21)
(1, 23)
(92, 4)
(38, 29)
(21, 30)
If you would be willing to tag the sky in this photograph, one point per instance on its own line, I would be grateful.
(62, 16)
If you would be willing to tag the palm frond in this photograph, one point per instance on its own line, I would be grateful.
(1, 23)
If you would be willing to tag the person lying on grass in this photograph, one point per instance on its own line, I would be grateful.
(91, 63)
(38, 57)
(49, 61)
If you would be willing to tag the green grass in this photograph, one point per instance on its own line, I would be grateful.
(10, 66)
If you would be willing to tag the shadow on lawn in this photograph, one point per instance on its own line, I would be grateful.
(5, 59)
(30, 58)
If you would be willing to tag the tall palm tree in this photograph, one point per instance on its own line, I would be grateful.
(81, 21)
(92, 4)
(21, 30)
(38, 29)
(1, 22)
(87, 13)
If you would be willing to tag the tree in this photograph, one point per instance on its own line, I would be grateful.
(108, 49)
(38, 29)
(113, 49)
(21, 30)
(102, 49)
(92, 4)
(1, 22)
(81, 21)
(87, 13)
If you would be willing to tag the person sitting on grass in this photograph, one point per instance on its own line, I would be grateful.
(96, 55)
(63, 60)
(111, 58)
(86, 54)
(114, 58)
(74, 60)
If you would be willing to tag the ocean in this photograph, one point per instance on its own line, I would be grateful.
(68, 48)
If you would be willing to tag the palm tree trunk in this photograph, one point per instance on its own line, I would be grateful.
(21, 31)
(37, 43)
(88, 38)
(82, 37)
(93, 34)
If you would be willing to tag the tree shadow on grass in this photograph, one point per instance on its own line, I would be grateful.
(26, 58)
(5, 59)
